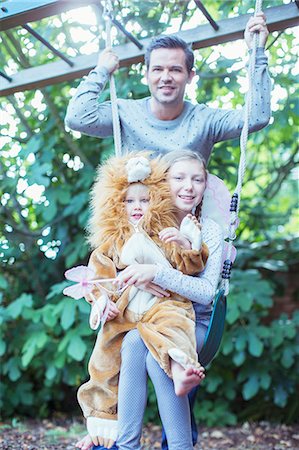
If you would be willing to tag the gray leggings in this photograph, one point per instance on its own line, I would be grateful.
(174, 411)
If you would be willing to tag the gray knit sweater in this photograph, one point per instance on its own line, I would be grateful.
(197, 128)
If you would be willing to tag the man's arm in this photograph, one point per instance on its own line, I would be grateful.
(227, 124)
(84, 112)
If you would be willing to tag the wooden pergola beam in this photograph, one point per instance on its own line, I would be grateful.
(15, 13)
(278, 18)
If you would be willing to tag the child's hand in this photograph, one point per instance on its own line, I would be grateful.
(172, 234)
(113, 311)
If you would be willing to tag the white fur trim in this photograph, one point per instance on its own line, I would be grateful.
(138, 169)
(192, 233)
(102, 427)
(97, 312)
(181, 358)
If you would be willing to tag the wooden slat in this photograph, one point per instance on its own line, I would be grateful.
(14, 13)
(278, 18)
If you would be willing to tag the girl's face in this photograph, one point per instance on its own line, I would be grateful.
(187, 184)
(136, 201)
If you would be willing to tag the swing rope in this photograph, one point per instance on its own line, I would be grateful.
(235, 202)
(113, 96)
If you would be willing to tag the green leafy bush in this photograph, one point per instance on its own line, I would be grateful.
(45, 342)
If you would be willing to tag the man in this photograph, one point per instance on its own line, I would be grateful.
(165, 121)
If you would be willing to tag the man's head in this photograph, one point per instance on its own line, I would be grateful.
(170, 42)
(169, 63)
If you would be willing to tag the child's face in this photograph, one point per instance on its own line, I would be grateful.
(136, 201)
(187, 184)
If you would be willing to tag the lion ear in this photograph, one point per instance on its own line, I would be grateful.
(138, 169)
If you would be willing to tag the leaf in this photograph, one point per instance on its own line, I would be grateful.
(255, 345)
(213, 383)
(77, 348)
(277, 337)
(51, 372)
(38, 174)
(50, 211)
(265, 380)
(50, 319)
(227, 345)
(241, 340)
(33, 345)
(287, 359)
(32, 146)
(2, 347)
(13, 370)
(239, 358)
(57, 290)
(250, 388)
(3, 282)
(280, 397)
(68, 314)
(78, 203)
(246, 301)
(15, 308)
(233, 313)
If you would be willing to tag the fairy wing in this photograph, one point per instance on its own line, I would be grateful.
(79, 273)
(77, 290)
(216, 202)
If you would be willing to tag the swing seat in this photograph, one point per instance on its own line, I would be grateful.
(215, 330)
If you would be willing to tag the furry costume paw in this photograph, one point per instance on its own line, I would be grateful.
(191, 229)
(99, 312)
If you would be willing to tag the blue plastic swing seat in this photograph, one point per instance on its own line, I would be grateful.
(215, 330)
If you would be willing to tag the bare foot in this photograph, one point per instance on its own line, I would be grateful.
(85, 443)
(186, 379)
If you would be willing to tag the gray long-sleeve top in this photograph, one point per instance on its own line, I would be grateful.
(197, 128)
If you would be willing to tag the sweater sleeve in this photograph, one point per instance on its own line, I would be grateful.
(200, 289)
(85, 113)
(227, 124)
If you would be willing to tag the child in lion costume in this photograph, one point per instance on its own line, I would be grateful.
(166, 324)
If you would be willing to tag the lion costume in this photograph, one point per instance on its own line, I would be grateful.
(164, 324)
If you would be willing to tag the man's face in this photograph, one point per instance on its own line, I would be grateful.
(167, 75)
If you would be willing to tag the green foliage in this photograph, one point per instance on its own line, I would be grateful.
(258, 363)
(46, 174)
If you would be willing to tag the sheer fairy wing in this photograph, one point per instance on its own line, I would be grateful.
(80, 273)
(216, 202)
(225, 252)
(77, 290)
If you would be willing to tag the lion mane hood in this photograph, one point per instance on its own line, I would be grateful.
(108, 227)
